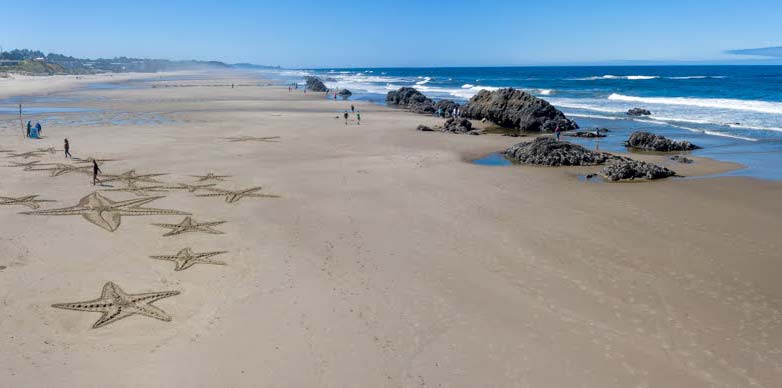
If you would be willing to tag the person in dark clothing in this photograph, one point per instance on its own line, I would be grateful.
(29, 127)
(346, 117)
(352, 108)
(39, 129)
(67, 147)
(358, 117)
(95, 171)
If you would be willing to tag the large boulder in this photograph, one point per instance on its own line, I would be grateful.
(629, 169)
(412, 99)
(650, 142)
(345, 93)
(638, 112)
(547, 151)
(513, 108)
(315, 84)
(457, 125)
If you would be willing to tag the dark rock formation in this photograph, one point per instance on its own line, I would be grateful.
(681, 159)
(457, 125)
(411, 99)
(651, 142)
(550, 152)
(512, 108)
(583, 134)
(315, 84)
(424, 128)
(345, 93)
(638, 112)
(628, 169)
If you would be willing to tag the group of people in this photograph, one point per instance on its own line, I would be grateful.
(353, 110)
(34, 132)
(454, 113)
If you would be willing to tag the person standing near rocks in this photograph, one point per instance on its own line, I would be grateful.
(557, 132)
(67, 147)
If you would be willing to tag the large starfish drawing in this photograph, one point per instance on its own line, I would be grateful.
(131, 177)
(26, 165)
(189, 225)
(210, 177)
(62, 169)
(236, 139)
(186, 258)
(91, 159)
(50, 150)
(106, 213)
(26, 155)
(232, 196)
(141, 191)
(115, 304)
(191, 188)
(27, 200)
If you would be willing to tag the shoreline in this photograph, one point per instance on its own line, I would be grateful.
(382, 257)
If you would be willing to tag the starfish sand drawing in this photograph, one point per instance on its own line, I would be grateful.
(132, 177)
(26, 155)
(141, 191)
(91, 159)
(190, 188)
(26, 165)
(237, 139)
(116, 304)
(27, 200)
(186, 258)
(50, 150)
(62, 169)
(106, 213)
(232, 196)
(189, 225)
(210, 177)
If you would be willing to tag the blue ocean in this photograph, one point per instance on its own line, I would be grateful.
(733, 112)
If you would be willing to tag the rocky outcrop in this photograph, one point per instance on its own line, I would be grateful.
(513, 108)
(583, 134)
(424, 128)
(638, 112)
(628, 169)
(681, 159)
(457, 125)
(650, 142)
(547, 151)
(412, 99)
(345, 93)
(315, 84)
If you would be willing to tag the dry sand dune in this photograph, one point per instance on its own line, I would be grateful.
(371, 256)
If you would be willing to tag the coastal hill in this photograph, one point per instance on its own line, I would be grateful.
(34, 62)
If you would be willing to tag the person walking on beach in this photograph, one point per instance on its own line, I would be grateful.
(557, 132)
(346, 117)
(38, 128)
(352, 108)
(358, 117)
(67, 147)
(29, 127)
(95, 171)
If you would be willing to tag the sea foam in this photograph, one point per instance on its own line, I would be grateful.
(717, 103)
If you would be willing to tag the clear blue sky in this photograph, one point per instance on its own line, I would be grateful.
(394, 33)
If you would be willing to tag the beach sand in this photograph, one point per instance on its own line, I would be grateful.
(388, 259)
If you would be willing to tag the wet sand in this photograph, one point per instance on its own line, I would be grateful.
(388, 260)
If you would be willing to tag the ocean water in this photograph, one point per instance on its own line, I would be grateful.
(734, 112)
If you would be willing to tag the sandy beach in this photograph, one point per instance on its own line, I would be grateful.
(381, 256)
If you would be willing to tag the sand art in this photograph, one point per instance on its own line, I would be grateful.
(232, 196)
(26, 165)
(210, 177)
(115, 304)
(135, 188)
(106, 213)
(62, 169)
(131, 176)
(237, 139)
(186, 258)
(28, 200)
(188, 225)
(26, 155)
(192, 188)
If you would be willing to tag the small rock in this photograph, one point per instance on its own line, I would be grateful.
(456, 125)
(638, 112)
(681, 159)
(424, 128)
(651, 142)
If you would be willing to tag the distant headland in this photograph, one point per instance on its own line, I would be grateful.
(34, 62)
